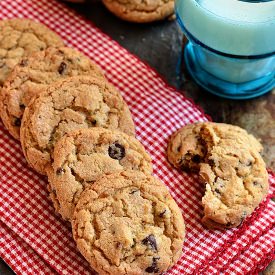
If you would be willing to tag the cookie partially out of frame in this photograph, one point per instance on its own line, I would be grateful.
(21, 37)
(70, 104)
(33, 74)
(81, 157)
(229, 164)
(140, 11)
(128, 223)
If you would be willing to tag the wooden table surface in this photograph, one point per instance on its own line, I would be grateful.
(160, 45)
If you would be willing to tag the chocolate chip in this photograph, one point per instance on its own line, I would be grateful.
(211, 162)
(229, 224)
(94, 122)
(134, 191)
(62, 67)
(22, 106)
(249, 163)
(17, 122)
(60, 171)
(24, 62)
(161, 215)
(150, 240)
(196, 158)
(217, 191)
(153, 268)
(116, 151)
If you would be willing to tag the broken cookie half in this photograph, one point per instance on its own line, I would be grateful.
(230, 165)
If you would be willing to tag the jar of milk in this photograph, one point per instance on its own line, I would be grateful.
(231, 48)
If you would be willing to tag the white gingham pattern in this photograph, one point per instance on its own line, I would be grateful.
(158, 110)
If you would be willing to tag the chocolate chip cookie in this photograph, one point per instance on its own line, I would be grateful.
(128, 223)
(82, 156)
(73, 103)
(19, 38)
(33, 74)
(229, 164)
(140, 11)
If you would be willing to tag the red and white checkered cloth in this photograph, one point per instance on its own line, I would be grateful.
(36, 241)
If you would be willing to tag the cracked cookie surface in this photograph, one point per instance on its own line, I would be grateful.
(19, 38)
(83, 156)
(33, 74)
(229, 164)
(128, 223)
(70, 104)
(141, 11)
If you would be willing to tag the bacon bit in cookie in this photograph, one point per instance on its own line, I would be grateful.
(116, 151)
(153, 268)
(62, 67)
(17, 122)
(150, 240)
(60, 171)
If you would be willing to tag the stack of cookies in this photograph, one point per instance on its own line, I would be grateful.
(75, 128)
(230, 167)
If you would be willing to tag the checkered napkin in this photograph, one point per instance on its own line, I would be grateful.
(36, 241)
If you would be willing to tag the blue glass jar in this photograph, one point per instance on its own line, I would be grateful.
(231, 48)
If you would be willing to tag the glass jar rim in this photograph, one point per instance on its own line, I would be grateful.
(247, 4)
(224, 35)
(198, 42)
